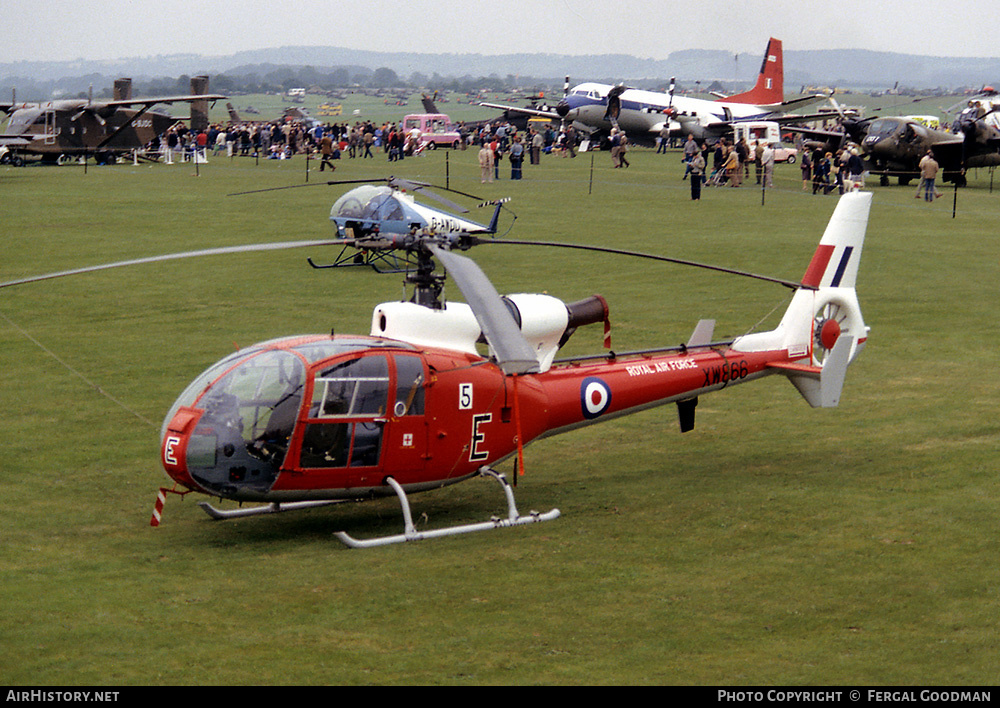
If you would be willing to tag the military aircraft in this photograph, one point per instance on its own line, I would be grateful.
(984, 105)
(306, 421)
(64, 129)
(597, 108)
(893, 146)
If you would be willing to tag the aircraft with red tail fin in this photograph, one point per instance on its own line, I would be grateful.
(594, 108)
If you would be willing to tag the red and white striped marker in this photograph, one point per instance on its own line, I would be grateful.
(161, 498)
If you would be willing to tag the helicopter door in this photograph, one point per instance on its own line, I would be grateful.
(347, 415)
(406, 434)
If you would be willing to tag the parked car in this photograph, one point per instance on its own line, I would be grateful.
(785, 153)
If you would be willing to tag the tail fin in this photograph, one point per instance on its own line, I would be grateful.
(770, 87)
(199, 108)
(822, 330)
(429, 103)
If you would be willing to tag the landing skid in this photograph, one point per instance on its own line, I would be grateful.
(410, 532)
(274, 508)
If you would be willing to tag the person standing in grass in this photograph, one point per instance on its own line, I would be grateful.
(485, 163)
(696, 169)
(928, 173)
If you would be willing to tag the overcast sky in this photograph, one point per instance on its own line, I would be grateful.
(48, 30)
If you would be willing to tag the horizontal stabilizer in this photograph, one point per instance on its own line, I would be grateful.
(821, 386)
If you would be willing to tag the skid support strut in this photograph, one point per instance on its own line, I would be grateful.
(410, 532)
(273, 508)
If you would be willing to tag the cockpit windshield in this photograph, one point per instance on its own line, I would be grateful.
(882, 127)
(367, 203)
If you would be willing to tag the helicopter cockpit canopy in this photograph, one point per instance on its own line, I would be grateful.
(367, 204)
(237, 419)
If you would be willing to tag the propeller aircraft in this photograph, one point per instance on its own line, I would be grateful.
(439, 392)
(597, 108)
(64, 129)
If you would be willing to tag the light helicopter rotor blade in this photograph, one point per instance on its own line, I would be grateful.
(394, 182)
(794, 285)
(447, 202)
(299, 186)
(277, 246)
(514, 354)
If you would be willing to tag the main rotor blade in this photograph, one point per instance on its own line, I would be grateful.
(299, 186)
(278, 246)
(447, 202)
(513, 352)
(636, 254)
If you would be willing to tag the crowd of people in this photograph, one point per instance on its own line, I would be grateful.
(724, 163)
(282, 139)
(825, 172)
(501, 140)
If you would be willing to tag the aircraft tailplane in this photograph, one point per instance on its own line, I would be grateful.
(822, 330)
(770, 87)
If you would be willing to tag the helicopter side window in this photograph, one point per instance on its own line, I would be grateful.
(358, 387)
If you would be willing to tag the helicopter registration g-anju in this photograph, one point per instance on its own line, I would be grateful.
(310, 420)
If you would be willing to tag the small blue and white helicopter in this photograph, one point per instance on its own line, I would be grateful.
(389, 214)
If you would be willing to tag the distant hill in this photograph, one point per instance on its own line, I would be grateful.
(859, 69)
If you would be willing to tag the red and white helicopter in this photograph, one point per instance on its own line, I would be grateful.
(311, 420)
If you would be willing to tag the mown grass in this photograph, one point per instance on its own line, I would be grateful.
(774, 544)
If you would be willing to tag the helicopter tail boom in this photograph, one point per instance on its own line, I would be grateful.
(822, 329)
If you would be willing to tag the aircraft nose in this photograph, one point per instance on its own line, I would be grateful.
(562, 108)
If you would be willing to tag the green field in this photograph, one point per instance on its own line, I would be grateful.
(774, 544)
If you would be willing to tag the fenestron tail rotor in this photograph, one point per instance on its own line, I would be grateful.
(833, 318)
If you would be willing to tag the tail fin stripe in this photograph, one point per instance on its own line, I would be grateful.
(844, 260)
(814, 273)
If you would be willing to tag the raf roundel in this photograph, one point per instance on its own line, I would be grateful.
(595, 397)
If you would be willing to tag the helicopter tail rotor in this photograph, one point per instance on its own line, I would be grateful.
(823, 330)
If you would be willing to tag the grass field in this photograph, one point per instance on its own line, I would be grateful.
(774, 544)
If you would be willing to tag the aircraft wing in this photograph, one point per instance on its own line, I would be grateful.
(949, 153)
(801, 102)
(529, 111)
(795, 103)
(816, 133)
(16, 140)
(190, 98)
